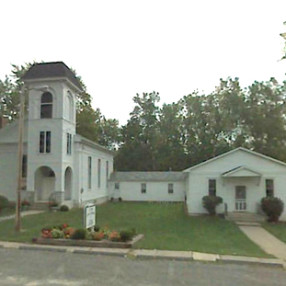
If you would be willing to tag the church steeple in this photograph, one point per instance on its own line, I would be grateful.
(51, 126)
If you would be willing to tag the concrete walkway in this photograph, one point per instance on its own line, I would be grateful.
(269, 243)
(32, 212)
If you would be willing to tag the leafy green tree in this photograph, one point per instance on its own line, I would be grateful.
(139, 135)
(265, 118)
(170, 142)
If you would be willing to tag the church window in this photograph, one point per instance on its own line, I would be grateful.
(98, 173)
(45, 142)
(46, 105)
(24, 166)
(69, 143)
(89, 171)
(107, 173)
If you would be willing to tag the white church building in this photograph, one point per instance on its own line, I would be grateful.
(58, 164)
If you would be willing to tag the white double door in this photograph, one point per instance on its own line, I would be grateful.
(240, 198)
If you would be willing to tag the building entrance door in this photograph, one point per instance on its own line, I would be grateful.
(240, 198)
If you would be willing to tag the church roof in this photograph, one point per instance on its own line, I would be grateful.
(147, 176)
(51, 70)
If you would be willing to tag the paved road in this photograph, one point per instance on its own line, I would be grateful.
(33, 268)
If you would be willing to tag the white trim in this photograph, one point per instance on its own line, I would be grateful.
(232, 151)
(228, 174)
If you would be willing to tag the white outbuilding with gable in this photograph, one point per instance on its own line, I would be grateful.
(241, 177)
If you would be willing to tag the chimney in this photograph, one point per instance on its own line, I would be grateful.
(3, 121)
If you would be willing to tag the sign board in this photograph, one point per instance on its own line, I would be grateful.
(89, 216)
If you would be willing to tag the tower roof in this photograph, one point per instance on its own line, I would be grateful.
(51, 70)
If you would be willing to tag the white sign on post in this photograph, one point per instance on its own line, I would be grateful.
(89, 216)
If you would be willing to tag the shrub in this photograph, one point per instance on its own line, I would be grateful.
(64, 208)
(210, 203)
(126, 235)
(96, 228)
(79, 233)
(114, 236)
(56, 233)
(25, 203)
(4, 203)
(68, 232)
(120, 199)
(272, 207)
(99, 235)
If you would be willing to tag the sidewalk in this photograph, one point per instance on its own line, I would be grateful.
(269, 243)
(25, 213)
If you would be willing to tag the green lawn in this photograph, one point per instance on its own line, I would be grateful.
(7, 212)
(165, 226)
(278, 230)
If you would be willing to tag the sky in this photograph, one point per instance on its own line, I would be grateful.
(121, 48)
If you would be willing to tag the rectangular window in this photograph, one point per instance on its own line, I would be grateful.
(48, 142)
(143, 188)
(45, 142)
(107, 173)
(212, 187)
(170, 188)
(269, 185)
(116, 186)
(24, 166)
(69, 143)
(89, 172)
(98, 172)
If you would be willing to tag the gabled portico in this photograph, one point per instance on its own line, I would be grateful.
(241, 180)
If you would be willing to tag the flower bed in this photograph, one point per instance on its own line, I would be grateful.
(98, 237)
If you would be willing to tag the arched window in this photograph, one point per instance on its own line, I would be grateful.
(46, 105)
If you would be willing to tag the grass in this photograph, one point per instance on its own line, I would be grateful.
(165, 226)
(7, 212)
(277, 229)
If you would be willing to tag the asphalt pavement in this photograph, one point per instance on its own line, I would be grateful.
(35, 268)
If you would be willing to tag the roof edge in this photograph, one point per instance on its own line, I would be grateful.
(232, 151)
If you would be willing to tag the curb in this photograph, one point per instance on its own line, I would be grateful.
(150, 254)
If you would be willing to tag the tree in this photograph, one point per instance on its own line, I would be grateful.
(139, 136)
(170, 142)
(283, 35)
(265, 118)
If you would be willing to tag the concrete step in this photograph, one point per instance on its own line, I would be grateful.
(247, 223)
(245, 217)
(39, 206)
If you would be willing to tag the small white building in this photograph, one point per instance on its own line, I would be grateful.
(58, 164)
(148, 186)
(241, 177)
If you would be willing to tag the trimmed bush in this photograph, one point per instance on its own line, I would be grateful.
(272, 207)
(210, 203)
(56, 233)
(126, 235)
(64, 208)
(79, 233)
(4, 203)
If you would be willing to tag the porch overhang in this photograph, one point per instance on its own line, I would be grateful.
(241, 172)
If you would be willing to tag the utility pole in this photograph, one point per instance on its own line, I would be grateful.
(20, 159)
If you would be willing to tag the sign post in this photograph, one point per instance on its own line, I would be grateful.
(89, 216)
